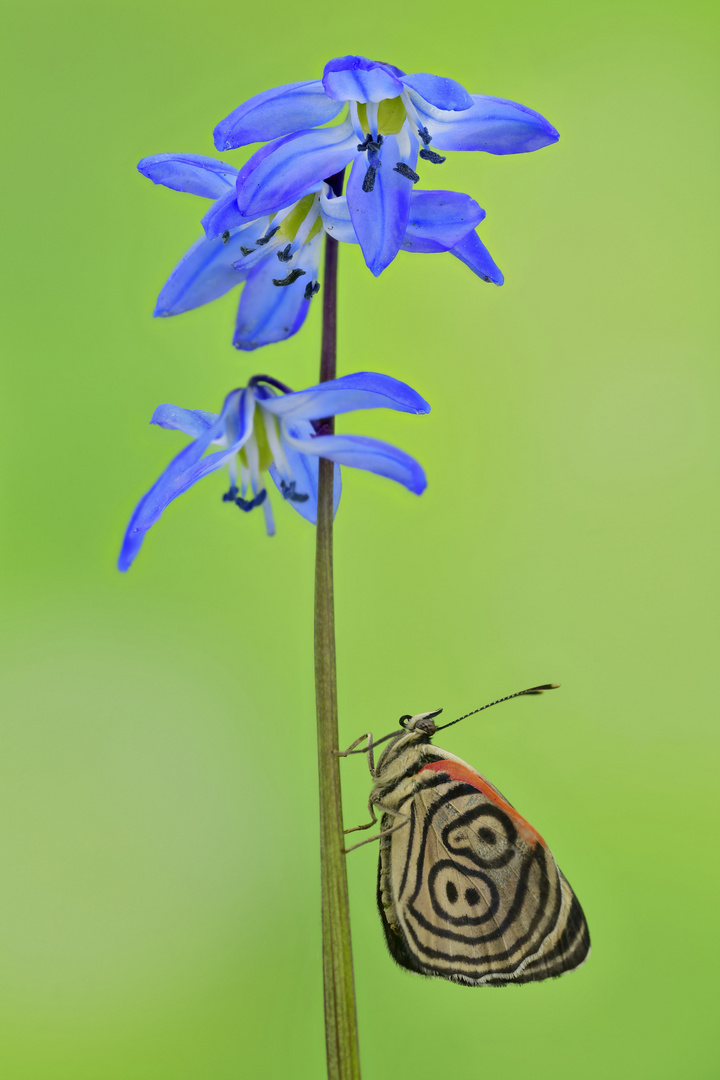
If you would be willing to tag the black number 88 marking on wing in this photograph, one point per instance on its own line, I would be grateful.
(482, 894)
(484, 835)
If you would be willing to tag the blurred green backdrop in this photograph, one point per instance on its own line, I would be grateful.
(160, 899)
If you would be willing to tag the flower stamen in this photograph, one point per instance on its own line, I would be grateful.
(432, 156)
(369, 182)
(371, 144)
(268, 236)
(249, 504)
(289, 492)
(406, 171)
(292, 276)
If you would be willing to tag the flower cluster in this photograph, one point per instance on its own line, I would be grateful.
(264, 230)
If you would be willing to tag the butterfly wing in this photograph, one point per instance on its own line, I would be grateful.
(469, 891)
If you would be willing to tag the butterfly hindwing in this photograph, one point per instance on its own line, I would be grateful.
(469, 891)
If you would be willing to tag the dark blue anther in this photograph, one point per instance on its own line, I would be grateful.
(371, 144)
(289, 492)
(369, 182)
(226, 236)
(430, 155)
(292, 276)
(286, 254)
(268, 236)
(406, 171)
(311, 289)
(246, 250)
(249, 504)
(230, 495)
(425, 135)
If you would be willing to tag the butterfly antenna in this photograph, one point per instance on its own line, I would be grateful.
(520, 693)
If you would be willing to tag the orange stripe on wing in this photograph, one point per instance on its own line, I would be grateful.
(456, 771)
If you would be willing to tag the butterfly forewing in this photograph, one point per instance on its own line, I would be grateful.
(469, 891)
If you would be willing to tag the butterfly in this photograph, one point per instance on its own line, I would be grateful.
(467, 889)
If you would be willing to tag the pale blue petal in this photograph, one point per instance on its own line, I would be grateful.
(355, 78)
(380, 216)
(183, 471)
(190, 172)
(474, 254)
(439, 220)
(442, 93)
(194, 422)
(372, 455)
(362, 390)
(492, 124)
(336, 218)
(282, 172)
(204, 273)
(268, 312)
(276, 112)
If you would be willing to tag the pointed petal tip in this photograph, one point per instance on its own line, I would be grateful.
(246, 346)
(126, 557)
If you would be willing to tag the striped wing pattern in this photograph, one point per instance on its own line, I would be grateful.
(469, 891)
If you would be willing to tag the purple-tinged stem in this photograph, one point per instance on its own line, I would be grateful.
(341, 1039)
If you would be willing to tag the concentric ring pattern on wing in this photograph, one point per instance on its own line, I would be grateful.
(470, 892)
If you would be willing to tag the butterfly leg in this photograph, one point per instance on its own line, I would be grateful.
(367, 750)
(385, 832)
(368, 824)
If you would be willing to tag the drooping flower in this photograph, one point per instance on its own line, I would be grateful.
(267, 427)
(392, 120)
(277, 256)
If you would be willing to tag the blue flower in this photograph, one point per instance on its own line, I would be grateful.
(267, 427)
(277, 256)
(393, 119)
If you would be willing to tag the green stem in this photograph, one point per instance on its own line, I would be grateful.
(341, 1040)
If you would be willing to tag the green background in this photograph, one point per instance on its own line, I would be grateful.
(160, 907)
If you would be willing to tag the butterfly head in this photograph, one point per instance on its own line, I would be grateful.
(423, 722)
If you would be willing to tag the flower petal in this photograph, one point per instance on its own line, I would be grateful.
(474, 254)
(194, 422)
(204, 273)
(380, 216)
(276, 112)
(442, 93)
(492, 124)
(283, 171)
(439, 220)
(268, 312)
(190, 172)
(183, 471)
(363, 390)
(355, 78)
(370, 454)
(303, 478)
(223, 216)
(336, 217)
